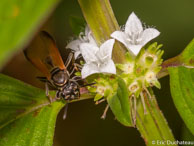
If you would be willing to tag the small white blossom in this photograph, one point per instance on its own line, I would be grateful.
(133, 87)
(150, 76)
(134, 37)
(98, 59)
(128, 67)
(83, 38)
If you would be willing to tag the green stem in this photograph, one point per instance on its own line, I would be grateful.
(101, 20)
(175, 61)
(185, 58)
(152, 125)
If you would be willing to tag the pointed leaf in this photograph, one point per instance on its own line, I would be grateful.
(119, 104)
(182, 90)
(187, 56)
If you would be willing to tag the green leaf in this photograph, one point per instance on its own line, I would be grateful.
(34, 129)
(187, 56)
(98, 97)
(19, 21)
(77, 24)
(186, 135)
(18, 99)
(27, 118)
(120, 105)
(182, 90)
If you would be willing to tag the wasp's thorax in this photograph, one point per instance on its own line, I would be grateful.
(59, 77)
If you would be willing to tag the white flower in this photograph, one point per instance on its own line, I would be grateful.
(150, 76)
(134, 87)
(83, 38)
(98, 59)
(134, 37)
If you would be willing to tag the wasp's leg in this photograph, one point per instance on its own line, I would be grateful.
(70, 57)
(78, 66)
(42, 79)
(58, 95)
(45, 80)
(76, 78)
(74, 81)
(47, 92)
(89, 85)
(65, 111)
(105, 111)
(73, 70)
(71, 73)
(80, 79)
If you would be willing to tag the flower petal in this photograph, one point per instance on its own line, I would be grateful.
(135, 49)
(74, 45)
(91, 39)
(76, 54)
(133, 25)
(106, 49)
(120, 36)
(88, 52)
(87, 30)
(89, 36)
(89, 69)
(149, 34)
(108, 67)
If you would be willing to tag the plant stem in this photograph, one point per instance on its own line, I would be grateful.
(102, 22)
(152, 125)
(175, 61)
(185, 59)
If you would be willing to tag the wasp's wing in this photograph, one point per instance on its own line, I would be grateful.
(43, 54)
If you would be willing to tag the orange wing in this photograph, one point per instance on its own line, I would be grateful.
(43, 54)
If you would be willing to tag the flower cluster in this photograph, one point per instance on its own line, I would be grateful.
(99, 59)
(141, 72)
(141, 67)
(105, 86)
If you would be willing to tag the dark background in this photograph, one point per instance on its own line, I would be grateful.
(83, 126)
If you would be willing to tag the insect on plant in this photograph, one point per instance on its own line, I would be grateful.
(45, 56)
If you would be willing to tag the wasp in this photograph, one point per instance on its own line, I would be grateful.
(44, 55)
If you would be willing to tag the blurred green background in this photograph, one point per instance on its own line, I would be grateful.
(83, 126)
